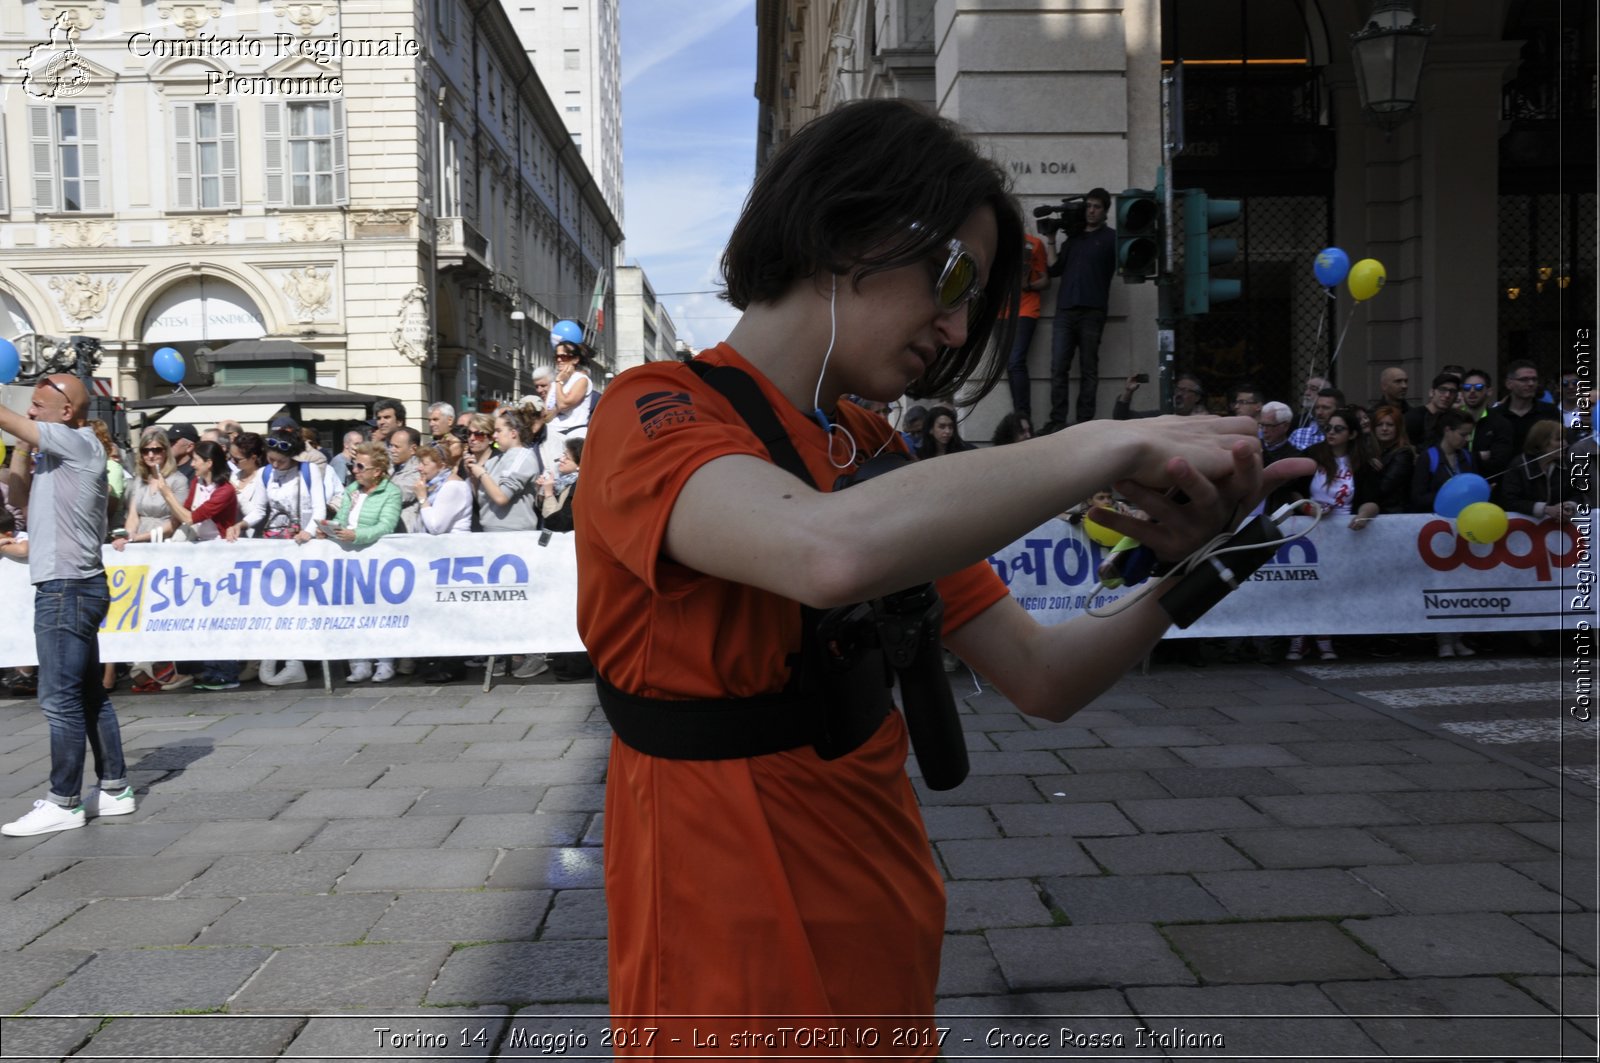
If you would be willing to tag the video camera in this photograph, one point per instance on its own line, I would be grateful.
(1069, 216)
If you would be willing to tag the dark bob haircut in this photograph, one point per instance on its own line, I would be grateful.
(218, 458)
(869, 187)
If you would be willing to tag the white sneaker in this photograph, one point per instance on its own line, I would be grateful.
(533, 664)
(291, 672)
(104, 804)
(1446, 650)
(46, 817)
(384, 672)
(1463, 650)
(360, 672)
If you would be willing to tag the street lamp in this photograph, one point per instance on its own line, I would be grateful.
(1387, 54)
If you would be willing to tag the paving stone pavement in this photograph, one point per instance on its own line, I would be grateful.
(1226, 863)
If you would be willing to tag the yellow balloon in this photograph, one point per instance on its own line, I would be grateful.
(1482, 522)
(1101, 534)
(1366, 279)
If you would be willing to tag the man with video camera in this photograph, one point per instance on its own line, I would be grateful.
(1086, 264)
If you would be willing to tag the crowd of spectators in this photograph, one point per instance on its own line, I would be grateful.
(1388, 456)
(515, 469)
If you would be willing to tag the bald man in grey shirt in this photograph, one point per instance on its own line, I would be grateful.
(67, 525)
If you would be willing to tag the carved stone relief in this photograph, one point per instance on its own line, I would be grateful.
(82, 297)
(304, 17)
(198, 230)
(73, 16)
(413, 333)
(83, 234)
(309, 289)
(189, 17)
(309, 228)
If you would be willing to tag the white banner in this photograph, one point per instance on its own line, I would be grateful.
(503, 592)
(404, 596)
(1403, 573)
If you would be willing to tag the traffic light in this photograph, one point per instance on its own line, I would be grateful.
(1201, 251)
(1138, 234)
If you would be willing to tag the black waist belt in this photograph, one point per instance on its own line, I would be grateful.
(731, 728)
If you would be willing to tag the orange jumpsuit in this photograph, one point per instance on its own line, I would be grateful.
(784, 885)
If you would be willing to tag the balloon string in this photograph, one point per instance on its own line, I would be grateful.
(180, 388)
(1337, 347)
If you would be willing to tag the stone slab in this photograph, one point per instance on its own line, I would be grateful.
(1131, 758)
(456, 773)
(465, 800)
(493, 915)
(323, 978)
(1287, 894)
(1165, 853)
(517, 830)
(390, 832)
(1098, 956)
(297, 920)
(575, 914)
(1330, 810)
(148, 981)
(968, 966)
(1273, 952)
(240, 876)
(518, 972)
(1345, 779)
(1308, 847)
(23, 921)
(1088, 819)
(1221, 782)
(988, 858)
(541, 869)
(115, 837)
(47, 1038)
(1576, 932)
(1439, 843)
(244, 836)
(255, 805)
(123, 876)
(1252, 1021)
(1474, 943)
(1434, 888)
(962, 821)
(1467, 806)
(1097, 786)
(1193, 814)
(30, 975)
(1133, 899)
(1573, 879)
(349, 803)
(395, 870)
(982, 905)
(1239, 755)
(135, 923)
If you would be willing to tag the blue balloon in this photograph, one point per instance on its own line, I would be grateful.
(1332, 266)
(1458, 493)
(168, 365)
(566, 332)
(10, 361)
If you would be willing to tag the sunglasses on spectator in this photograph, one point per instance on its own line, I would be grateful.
(475, 434)
(152, 450)
(47, 382)
(1332, 428)
(1473, 387)
(282, 446)
(360, 466)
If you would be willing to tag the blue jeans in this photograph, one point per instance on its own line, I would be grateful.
(66, 631)
(1017, 367)
(1076, 328)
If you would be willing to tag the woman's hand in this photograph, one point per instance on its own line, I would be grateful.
(119, 544)
(346, 535)
(232, 534)
(1174, 529)
(303, 538)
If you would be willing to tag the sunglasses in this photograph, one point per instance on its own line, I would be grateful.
(1332, 428)
(282, 446)
(359, 466)
(152, 450)
(47, 382)
(1473, 387)
(958, 281)
(475, 434)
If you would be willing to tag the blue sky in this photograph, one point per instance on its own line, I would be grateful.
(688, 147)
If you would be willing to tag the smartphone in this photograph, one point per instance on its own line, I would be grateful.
(1143, 378)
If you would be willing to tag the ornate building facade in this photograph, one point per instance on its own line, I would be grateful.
(388, 184)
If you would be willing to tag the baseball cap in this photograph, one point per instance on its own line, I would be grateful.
(182, 430)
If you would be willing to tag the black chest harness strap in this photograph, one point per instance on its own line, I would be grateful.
(830, 705)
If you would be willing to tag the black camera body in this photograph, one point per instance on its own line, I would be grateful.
(905, 626)
(1070, 216)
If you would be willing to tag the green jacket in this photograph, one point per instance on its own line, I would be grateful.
(380, 513)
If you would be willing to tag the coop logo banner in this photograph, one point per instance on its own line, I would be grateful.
(465, 595)
(1401, 573)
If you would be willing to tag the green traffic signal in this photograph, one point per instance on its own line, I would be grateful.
(1138, 235)
(1201, 251)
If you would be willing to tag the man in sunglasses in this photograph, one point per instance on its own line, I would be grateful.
(66, 527)
(1086, 265)
(1505, 428)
